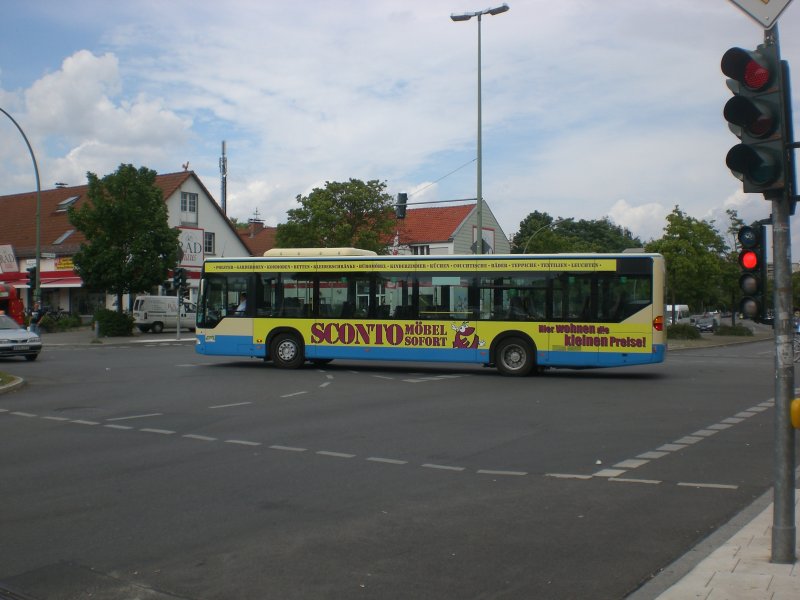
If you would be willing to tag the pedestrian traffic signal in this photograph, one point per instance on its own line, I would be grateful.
(757, 114)
(178, 277)
(753, 278)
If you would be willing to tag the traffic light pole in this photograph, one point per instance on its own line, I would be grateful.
(784, 532)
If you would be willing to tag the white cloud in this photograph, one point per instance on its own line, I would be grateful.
(590, 109)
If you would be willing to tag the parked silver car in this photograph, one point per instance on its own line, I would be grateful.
(18, 341)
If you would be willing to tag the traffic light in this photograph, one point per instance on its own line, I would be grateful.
(753, 279)
(184, 283)
(758, 115)
(178, 276)
(32, 277)
(400, 207)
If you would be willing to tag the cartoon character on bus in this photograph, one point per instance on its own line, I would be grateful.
(465, 337)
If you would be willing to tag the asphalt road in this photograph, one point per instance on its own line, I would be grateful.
(150, 471)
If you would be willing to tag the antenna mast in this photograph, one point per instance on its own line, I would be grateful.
(223, 171)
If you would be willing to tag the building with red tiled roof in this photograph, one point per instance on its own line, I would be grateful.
(447, 230)
(257, 237)
(205, 231)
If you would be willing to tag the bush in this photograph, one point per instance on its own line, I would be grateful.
(49, 323)
(112, 323)
(683, 331)
(737, 330)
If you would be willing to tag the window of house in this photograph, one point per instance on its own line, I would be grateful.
(65, 204)
(420, 250)
(188, 207)
(208, 242)
(63, 236)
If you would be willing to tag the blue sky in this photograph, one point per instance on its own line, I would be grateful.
(590, 108)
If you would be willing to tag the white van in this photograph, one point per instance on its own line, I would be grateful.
(155, 313)
(681, 313)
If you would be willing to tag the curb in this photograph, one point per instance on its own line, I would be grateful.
(728, 341)
(16, 382)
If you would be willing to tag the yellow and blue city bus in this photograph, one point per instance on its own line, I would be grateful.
(516, 312)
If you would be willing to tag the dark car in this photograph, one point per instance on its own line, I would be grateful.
(18, 341)
(705, 324)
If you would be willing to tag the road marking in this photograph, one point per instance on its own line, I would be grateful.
(324, 384)
(135, 417)
(118, 426)
(204, 438)
(56, 418)
(509, 473)
(652, 455)
(294, 394)
(82, 422)
(335, 454)
(744, 415)
(609, 473)
(23, 414)
(2, 410)
(720, 426)
(161, 431)
(289, 448)
(388, 461)
(689, 439)
(229, 405)
(442, 467)
(629, 480)
(704, 433)
(567, 476)
(383, 377)
(713, 486)
(243, 442)
(671, 447)
(731, 421)
(630, 464)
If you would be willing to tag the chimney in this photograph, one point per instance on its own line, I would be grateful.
(256, 226)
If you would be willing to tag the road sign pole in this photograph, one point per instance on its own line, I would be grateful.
(784, 532)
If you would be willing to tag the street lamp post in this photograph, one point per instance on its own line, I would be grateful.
(479, 207)
(37, 288)
(542, 228)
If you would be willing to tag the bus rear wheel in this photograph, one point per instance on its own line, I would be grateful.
(514, 357)
(286, 351)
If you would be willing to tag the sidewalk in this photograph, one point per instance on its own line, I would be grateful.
(731, 564)
(87, 335)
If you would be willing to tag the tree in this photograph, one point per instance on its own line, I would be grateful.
(540, 233)
(354, 213)
(129, 244)
(696, 255)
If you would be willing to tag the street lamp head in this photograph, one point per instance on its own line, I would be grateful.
(464, 17)
(498, 10)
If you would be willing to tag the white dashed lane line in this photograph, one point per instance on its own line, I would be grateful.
(613, 474)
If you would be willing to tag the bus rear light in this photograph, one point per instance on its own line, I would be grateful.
(658, 323)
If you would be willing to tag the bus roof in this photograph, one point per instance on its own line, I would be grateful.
(319, 252)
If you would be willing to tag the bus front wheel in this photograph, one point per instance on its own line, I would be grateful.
(514, 357)
(286, 351)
